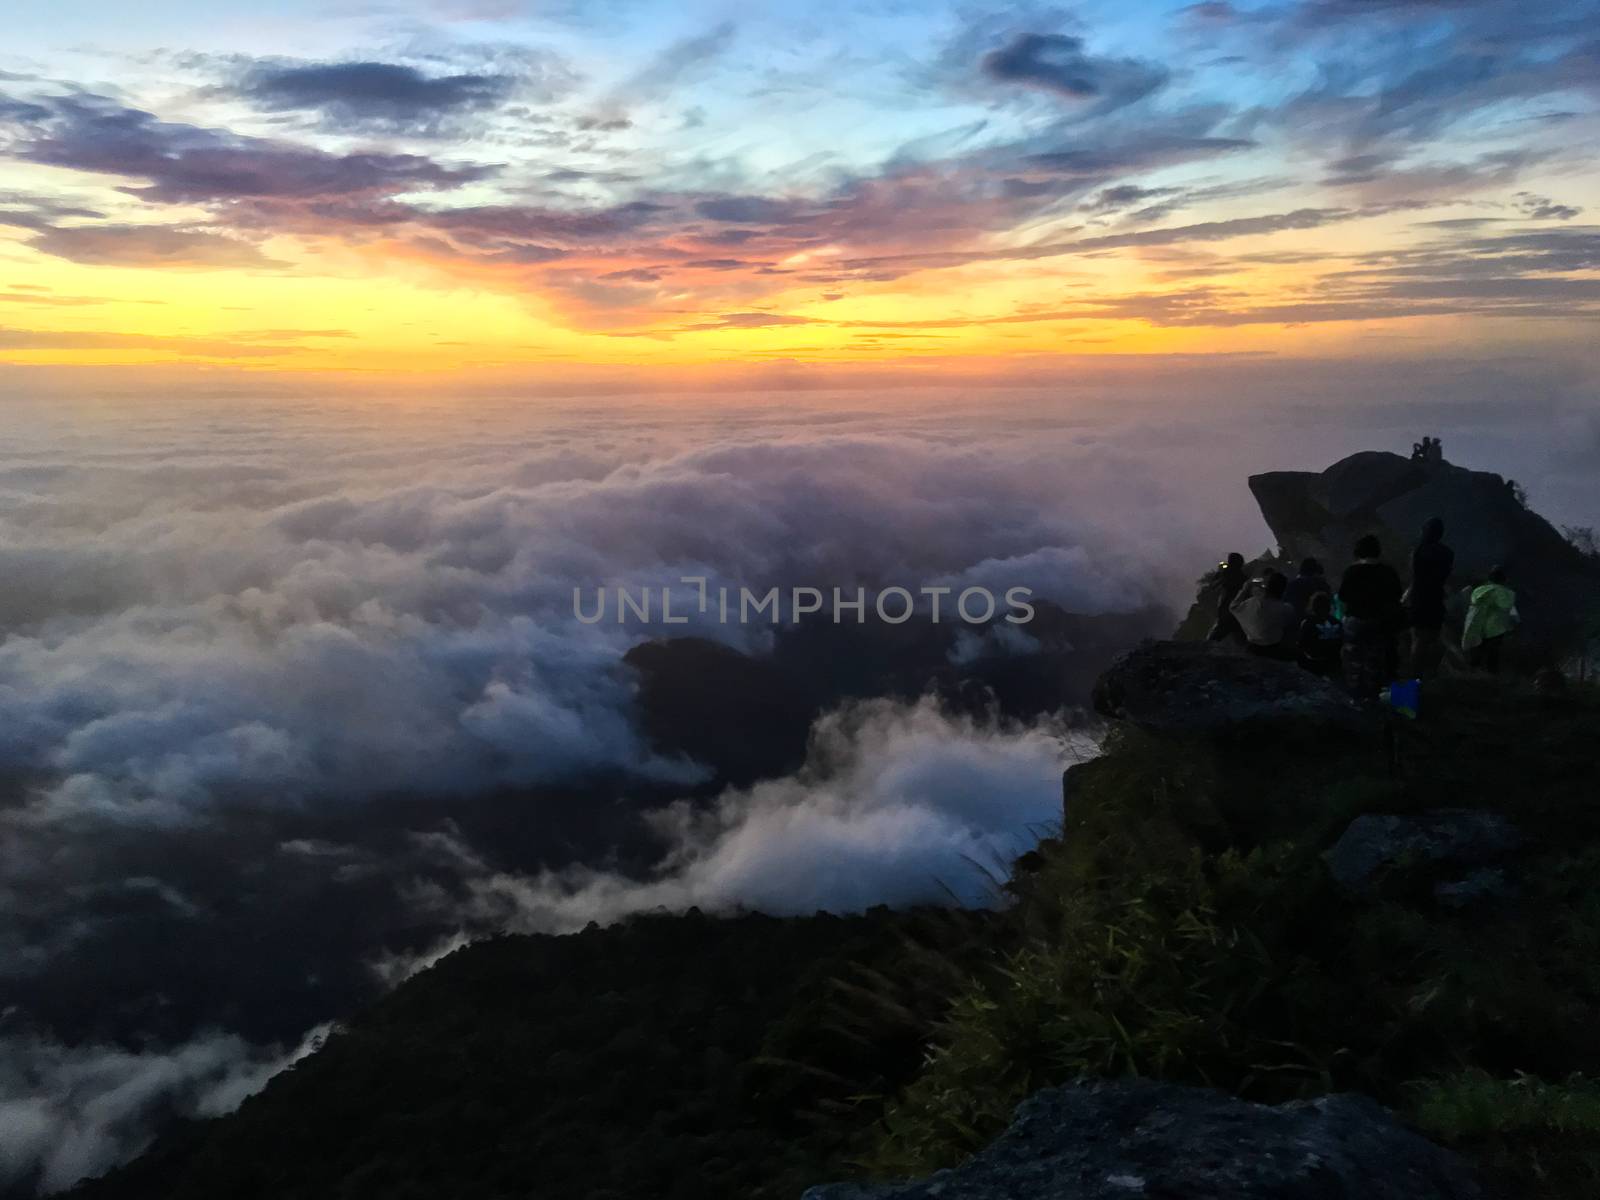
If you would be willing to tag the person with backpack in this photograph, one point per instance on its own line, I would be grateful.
(1321, 638)
(1493, 615)
(1369, 596)
(1311, 580)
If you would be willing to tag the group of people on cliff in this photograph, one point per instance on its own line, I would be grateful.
(1355, 629)
(1428, 450)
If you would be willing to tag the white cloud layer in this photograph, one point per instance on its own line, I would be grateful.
(297, 604)
(896, 804)
(68, 1113)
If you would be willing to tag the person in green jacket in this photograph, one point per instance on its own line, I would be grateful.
(1493, 615)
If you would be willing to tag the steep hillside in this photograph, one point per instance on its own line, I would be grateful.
(1286, 910)
(666, 1056)
(1275, 912)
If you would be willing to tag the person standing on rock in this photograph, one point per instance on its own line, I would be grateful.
(1493, 615)
(1431, 564)
(1370, 594)
(1228, 579)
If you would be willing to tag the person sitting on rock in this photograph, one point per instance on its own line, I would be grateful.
(1267, 620)
(1311, 580)
(1431, 564)
(1493, 615)
(1428, 450)
(1321, 637)
(1228, 578)
(1369, 594)
(1433, 450)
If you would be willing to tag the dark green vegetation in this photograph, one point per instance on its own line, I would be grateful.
(1185, 929)
(1182, 928)
(669, 1056)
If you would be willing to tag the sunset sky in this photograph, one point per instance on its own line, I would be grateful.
(453, 185)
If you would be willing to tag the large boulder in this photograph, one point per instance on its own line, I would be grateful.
(1321, 514)
(1207, 688)
(1442, 841)
(1129, 1139)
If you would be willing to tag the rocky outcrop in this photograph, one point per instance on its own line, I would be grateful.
(1130, 1139)
(1443, 842)
(1323, 513)
(1475, 888)
(1207, 688)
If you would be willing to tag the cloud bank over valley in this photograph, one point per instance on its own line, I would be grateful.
(293, 699)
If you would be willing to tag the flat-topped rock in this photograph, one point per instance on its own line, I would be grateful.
(1440, 838)
(1133, 1138)
(1206, 688)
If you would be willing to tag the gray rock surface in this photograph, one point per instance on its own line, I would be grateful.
(1205, 687)
(1130, 1139)
(1443, 837)
(1488, 883)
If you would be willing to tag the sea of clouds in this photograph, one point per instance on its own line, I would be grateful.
(298, 603)
(225, 622)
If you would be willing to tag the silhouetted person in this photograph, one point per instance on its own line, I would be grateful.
(1265, 617)
(1321, 637)
(1311, 580)
(1369, 593)
(1428, 450)
(1431, 564)
(1228, 578)
(1493, 615)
